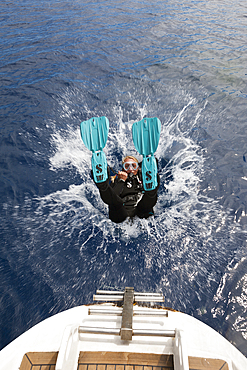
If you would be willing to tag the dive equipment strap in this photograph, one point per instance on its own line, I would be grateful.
(149, 173)
(146, 135)
(132, 200)
(94, 133)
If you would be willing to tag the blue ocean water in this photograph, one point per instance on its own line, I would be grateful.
(62, 62)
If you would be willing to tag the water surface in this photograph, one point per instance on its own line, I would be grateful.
(63, 62)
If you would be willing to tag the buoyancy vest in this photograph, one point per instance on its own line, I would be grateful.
(131, 190)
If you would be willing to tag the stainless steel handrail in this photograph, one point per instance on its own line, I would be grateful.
(136, 332)
(118, 312)
(101, 297)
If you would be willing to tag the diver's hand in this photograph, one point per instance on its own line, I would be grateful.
(122, 175)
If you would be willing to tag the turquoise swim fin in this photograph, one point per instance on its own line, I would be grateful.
(94, 133)
(146, 135)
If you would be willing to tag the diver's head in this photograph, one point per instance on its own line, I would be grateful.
(130, 164)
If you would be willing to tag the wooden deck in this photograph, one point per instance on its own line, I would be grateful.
(124, 361)
(118, 361)
(197, 363)
(39, 361)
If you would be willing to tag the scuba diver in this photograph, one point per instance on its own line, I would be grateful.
(125, 194)
(133, 191)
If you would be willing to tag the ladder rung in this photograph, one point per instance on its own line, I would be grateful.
(91, 330)
(102, 297)
(118, 298)
(136, 332)
(154, 333)
(149, 299)
(136, 294)
(100, 311)
(149, 294)
(110, 292)
(118, 312)
(150, 313)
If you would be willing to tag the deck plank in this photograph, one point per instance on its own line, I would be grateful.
(125, 361)
(197, 363)
(39, 360)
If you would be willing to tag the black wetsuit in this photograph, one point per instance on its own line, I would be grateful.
(128, 198)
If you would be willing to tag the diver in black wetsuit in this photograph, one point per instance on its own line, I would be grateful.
(125, 195)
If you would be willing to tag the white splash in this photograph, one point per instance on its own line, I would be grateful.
(182, 191)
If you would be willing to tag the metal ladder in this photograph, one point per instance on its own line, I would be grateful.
(69, 349)
(129, 297)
